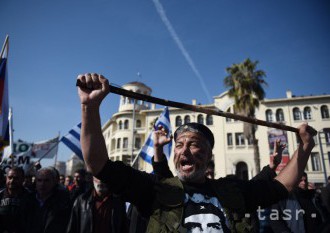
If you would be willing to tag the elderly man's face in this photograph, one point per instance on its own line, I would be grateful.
(192, 153)
(45, 183)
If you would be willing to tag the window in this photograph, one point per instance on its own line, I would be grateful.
(138, 123)
(327, 135)
(126, 124)
(120, 124)
(229, 139)
(250, 141)
(279, 115)
(125, 143)
(187, 119)
(269, 115)
(209, 120)
(118, 143)
(307, 113)
(316, 163)
(200, 119)
(324, 112)
(126, 159)
(239, 138)
(296, 114)
(178, 121)
(137, 143)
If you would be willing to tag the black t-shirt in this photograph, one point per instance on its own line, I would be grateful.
(202, 210)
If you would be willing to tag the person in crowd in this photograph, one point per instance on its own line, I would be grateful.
(28, 183)
(98, 210)
(48, 208)
(210, 173)
(79, 184)
(237, 222)
(298, 212)
(62, 179)
(325, 195)
(189, 201)
(325, 202)
(2, 179)
(12, 201)
(68, 183)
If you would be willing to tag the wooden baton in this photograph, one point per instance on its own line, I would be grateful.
(196, 108)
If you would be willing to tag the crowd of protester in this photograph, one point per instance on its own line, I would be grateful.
(46, 202)
(50, 202)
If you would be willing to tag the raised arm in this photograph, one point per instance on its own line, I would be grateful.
(160, 138)
(160, 163)
(291, 174)
(277, 154)
(269, 172)
(91, 138)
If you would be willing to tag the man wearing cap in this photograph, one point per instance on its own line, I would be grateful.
(188, 202)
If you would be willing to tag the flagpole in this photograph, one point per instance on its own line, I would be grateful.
(133, 127)
(11, 136)
(5, 45)
(55, 160)
(136, 157)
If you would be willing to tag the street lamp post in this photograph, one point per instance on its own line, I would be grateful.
(322, 156)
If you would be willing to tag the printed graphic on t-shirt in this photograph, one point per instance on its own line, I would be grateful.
(203, 214)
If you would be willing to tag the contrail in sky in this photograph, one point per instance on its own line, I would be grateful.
(178, 42)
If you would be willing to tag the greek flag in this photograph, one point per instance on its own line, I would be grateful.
(147, 150)
(72, 140)
(4, 105)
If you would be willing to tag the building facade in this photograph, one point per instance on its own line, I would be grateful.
(232, 153)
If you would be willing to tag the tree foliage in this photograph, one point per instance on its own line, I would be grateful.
(245, 83)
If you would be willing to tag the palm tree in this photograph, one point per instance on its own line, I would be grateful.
(245, 85)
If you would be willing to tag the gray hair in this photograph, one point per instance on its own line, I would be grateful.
(50, 170)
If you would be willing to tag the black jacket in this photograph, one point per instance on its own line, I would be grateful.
(81, 220)
(52, 216)
(12, 210)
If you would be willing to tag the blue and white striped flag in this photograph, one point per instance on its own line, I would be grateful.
(147, 150)
(72, 140)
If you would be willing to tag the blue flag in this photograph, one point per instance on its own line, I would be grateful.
(72, 140)
(147, 151)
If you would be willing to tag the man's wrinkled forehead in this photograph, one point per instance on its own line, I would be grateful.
(190, 136)
(197, 128)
